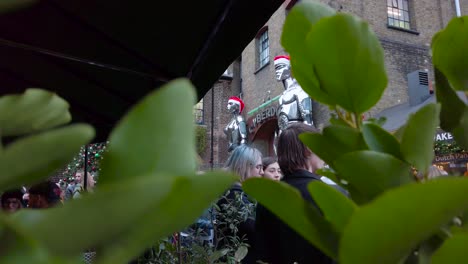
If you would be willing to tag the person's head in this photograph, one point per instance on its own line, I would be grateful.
(235, 104)
(271, 169)
(78, 176)
(282, 67)
(246, 161)
(89, 181)
(293, 154)
(12, 200)
(435, 172)
(44, 195)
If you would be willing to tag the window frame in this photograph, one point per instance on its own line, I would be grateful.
(399, 14)
(262, 48)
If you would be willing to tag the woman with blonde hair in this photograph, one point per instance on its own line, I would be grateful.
(246, 162)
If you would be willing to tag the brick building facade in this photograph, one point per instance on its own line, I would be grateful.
(404, 28)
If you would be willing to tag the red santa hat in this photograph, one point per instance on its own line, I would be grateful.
(237, 100)
(282, 59)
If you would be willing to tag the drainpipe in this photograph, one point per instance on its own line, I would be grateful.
(457, 8)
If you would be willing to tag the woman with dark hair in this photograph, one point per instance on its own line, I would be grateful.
(276, 241)
(271, 169)
(12, 200)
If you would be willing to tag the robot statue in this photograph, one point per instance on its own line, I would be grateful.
(236, 130)
(295, 105)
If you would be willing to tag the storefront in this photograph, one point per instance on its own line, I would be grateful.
(263, 126)
(449, 156)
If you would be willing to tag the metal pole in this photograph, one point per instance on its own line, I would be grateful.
(85, 176)
(212, 129)
(457, 8)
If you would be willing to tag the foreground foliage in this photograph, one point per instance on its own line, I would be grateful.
(392, 217)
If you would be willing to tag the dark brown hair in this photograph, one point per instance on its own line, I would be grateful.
(292, 153)
(267, 161)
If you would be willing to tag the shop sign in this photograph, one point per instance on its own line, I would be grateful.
(452, 157)
(263, 116)
(443, 136)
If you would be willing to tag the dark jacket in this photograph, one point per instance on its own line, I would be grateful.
(277, 242)
(246, 229)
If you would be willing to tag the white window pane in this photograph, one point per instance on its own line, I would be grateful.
(400, 4)
(405, 16)
(405, 5)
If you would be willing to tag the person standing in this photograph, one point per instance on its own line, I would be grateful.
(72, 185)
(276, 241)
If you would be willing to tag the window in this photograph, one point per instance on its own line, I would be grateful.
(263, 49)
(198, 112)
(398, 14)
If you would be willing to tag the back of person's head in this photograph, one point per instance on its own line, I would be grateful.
(435, 172)
(292, 153)
(44, 194)
(243, 159)
(14, 196)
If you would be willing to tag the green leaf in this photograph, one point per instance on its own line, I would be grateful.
(453, 250)
(417, 143)
(296, 27)
(240, 254)
(137, 212)
(452, 107)
(30, 159)
(461, 132)
(348, 62)
(32, 111)
(380, 140)
(334, 142)
(157, 135)
(288, 204)
(371, 173)
(390, 227)
(335, 206)
(449, 53)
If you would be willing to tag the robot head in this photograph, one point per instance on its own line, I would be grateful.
(235, 103)
(282, 67)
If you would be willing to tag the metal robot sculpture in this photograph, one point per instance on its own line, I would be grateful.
(295, 105)
(236, 130)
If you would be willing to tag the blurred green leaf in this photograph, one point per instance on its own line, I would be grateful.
(347, 60)
(461, 132)
(296, 27)
(136, 213)
(32, 111)
(417, 143)
(372, 173)
(288, 204)
(327, 172)
(390, 227)
(32, 158)
(334, 142)
(449, 52)
(454, 250)
(452, 107)
(157, 135)
(335, 206)
(380, 140)
(11, 5)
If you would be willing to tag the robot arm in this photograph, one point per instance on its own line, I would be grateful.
(242, 130)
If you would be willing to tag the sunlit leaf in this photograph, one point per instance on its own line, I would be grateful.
(287, 203)
(348, 62)
(449, 53)
(156, 136)
(453, 250)
(335, 206)
(32, 158)
(390, 227)
(32, 111)
(417, 143)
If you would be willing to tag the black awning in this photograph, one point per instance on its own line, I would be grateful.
(102, 56)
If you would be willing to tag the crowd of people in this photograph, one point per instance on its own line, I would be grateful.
(45, 194)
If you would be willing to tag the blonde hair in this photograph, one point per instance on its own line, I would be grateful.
(242, 159)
